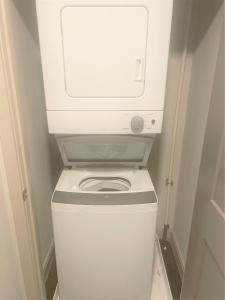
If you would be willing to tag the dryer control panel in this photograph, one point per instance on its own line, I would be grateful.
(105, 122)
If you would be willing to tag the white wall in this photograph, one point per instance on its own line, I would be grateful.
(11, 280)
(43, 166)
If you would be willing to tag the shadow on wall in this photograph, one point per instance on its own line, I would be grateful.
(30, 22)
(209, 10)
(153, 161)
(29, 19)
(159, 158)
(56, 160)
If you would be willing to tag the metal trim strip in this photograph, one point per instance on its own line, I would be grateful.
(99, 198)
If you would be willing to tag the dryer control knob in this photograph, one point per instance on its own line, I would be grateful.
(137, 124)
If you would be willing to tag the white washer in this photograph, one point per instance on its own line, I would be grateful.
(104, 216)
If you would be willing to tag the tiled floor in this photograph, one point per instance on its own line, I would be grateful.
(160, 288)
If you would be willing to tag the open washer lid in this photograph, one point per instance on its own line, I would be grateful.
(98, 150)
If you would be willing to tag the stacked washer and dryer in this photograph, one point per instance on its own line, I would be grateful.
(104, 67)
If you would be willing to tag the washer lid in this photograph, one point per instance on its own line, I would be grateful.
(99, 150)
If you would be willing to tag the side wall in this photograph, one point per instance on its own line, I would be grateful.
(203, 47)
(176, 153)
(160, 159)
(43, 170)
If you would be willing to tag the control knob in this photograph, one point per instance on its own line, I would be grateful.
(137, 124)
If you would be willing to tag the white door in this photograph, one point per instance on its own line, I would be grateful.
(204, 276)
(20, 267)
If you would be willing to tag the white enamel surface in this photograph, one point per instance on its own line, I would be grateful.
(51, 41)
(139, 179)
(114, 81)
(102, 122)
(100, 57)
(90, 240)
(104, 252)
(160, 285)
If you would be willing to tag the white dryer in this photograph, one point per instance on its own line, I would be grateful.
(104, 211)
(104, 60)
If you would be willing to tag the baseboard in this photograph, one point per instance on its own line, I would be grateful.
(177, 253)
(157, 243)
(48, 261)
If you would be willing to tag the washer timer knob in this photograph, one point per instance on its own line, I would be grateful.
(137, 124)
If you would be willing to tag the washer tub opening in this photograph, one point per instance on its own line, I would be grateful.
(105, 184)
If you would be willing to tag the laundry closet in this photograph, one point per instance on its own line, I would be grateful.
(112, 102)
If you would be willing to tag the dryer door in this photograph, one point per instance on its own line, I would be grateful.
(105, 150)
(104, 51)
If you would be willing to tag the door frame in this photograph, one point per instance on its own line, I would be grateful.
(15, 166)
(174, 121)
(171, 139)
(179, 140)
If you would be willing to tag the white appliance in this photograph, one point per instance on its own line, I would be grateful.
(104, 67)
(160, 286)
(104, 60)
(104, 211)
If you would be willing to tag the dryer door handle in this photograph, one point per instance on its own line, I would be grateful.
(139, 69)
